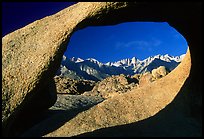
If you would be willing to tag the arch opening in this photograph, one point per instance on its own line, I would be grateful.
(130, 48)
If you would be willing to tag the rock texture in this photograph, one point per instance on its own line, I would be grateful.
(32, 55)
(66, 85)
(159, 72)
(112, 86)
(146, 78)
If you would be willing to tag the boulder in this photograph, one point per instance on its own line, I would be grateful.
(159, 72)
(65, 85)
(112, 86)
(145, 79)
(136, 76)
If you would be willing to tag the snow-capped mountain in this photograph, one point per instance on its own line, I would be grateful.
(124, 62)
(92, 69)
(76, 60)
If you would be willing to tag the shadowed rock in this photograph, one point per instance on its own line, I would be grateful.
(66, 85)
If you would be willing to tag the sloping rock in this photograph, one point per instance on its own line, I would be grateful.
(145, 79)
(65, 108)
(155, 74)
(66, 85)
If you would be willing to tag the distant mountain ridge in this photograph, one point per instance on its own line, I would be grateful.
(92, 69)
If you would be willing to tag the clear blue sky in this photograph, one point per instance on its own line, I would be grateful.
(104, 43)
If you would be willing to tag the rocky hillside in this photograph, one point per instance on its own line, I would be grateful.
(112, 86)
(108, 87)
(66, 85)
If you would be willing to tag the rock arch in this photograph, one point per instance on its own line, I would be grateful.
(32, 54)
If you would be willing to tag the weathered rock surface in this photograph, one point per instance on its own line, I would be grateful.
(66, 85)
(145, 79)
(32, 55)
(155, 74)
(112, 86)
(136, 76)
(159, 72)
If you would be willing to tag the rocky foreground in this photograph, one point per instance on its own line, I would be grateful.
(77, 98)
(74, 87)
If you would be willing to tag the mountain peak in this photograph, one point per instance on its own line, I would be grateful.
(93, 69)
(64, 58)
(74, 59)
(134, 60)
(95, 61)
(91, 59)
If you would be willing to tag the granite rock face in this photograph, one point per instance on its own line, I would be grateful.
(112, 86)
(145, 79)
(159, 72)
(32, 55)
(66, 85)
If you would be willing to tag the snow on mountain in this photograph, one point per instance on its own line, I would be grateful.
(124, 62)
(74, 59)
(95, 61)
(92, 69)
